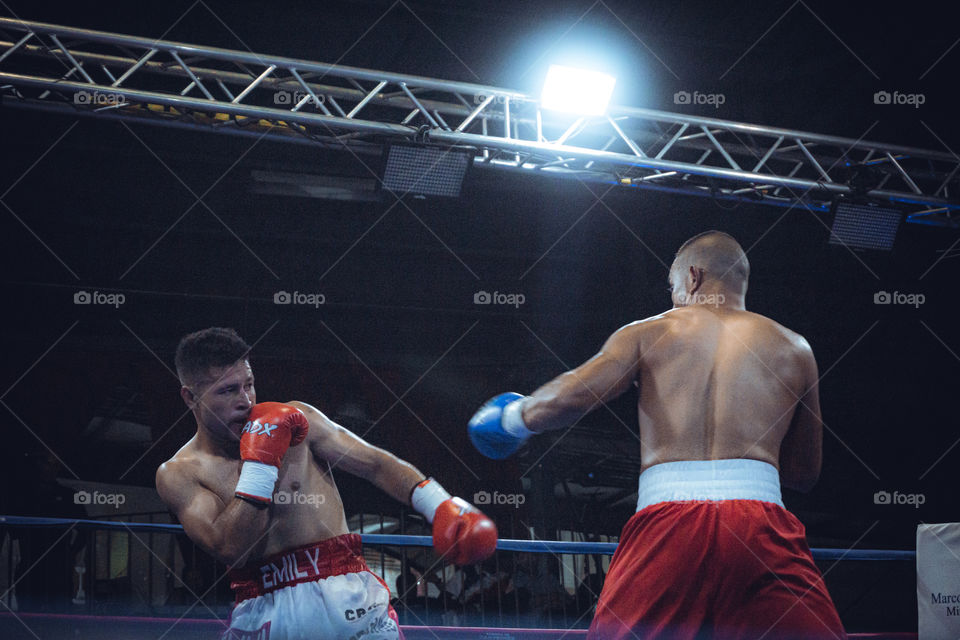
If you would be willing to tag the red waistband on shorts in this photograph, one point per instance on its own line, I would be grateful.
(309, 563)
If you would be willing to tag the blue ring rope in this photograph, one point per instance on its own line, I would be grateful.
(530, 546)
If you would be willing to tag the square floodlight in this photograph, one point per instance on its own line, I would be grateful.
(864, 226)
(579, 91)
(431, 171)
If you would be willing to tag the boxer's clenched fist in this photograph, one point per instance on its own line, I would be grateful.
(497, 429)
(273, 428)
(461, 533)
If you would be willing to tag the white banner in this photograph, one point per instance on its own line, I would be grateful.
(938, 581)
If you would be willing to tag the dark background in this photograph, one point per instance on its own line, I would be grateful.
(106, 210)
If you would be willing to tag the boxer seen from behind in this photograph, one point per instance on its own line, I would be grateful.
(728, 408)
(296, 569)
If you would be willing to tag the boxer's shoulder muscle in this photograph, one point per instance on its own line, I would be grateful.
(655, 330)
(177, 479)
(187, 471)
(650, 329)
(320, 425)
(325, 435)
(789, 343)
(308, 410)
(181, 464)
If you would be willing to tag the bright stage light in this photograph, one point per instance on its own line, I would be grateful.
(577, 91)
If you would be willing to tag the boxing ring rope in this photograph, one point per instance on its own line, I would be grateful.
(98, 626)
(393, 540)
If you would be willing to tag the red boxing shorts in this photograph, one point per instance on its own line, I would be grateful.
(319, 591)
(712, 553)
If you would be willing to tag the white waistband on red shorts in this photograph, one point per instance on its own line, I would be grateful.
(736, 479)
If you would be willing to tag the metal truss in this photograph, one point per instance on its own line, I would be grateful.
(59, 68)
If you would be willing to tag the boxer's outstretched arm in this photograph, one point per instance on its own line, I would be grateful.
(801, 451)
(568, 397)
(228, 533)
(461, 533)
(343, 450)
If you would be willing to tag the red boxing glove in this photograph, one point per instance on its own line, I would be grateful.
(461, 532)
(273, 428)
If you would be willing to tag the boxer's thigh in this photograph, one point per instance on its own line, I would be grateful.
(772, 587)
(659, 584)
(350, 605)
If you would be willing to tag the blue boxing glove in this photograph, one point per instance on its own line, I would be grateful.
(497, 429)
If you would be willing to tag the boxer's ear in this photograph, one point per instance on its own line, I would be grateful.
(189, 397)
(696, 279)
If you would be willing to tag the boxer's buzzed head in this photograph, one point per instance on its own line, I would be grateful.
(719, 256)
(201, 351)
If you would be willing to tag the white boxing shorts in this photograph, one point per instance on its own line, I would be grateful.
(316, 592)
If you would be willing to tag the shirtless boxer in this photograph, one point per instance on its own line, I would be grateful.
(254, 488)
(728, 409)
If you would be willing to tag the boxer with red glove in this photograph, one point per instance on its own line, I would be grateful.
(294, 564)
(273, 428)
(461, 533)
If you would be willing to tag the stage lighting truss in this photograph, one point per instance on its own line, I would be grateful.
(108, 75)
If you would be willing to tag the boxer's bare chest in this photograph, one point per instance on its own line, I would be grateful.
(306, 503)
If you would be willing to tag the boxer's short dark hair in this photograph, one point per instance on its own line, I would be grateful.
(705, 234)
(214, 347)
(727, 259)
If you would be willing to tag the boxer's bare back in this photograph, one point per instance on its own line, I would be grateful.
(715, 382)
(721, 383)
